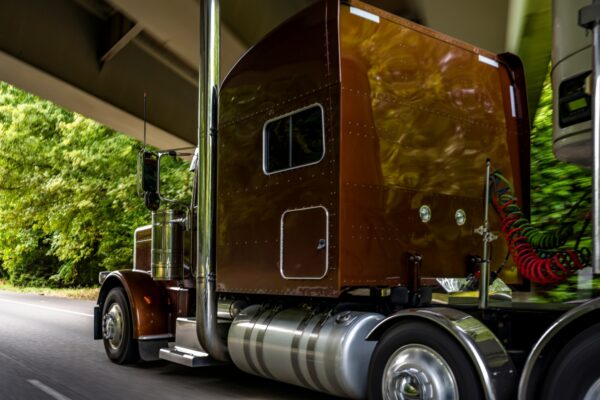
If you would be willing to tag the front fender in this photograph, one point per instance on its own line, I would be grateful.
(148, 300)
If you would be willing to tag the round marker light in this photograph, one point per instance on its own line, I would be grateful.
(425, 213)
(460, 216)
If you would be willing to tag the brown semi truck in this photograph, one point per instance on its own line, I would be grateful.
(345, 182)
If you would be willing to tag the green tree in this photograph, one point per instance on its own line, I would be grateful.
(68, 203)
(556, 186)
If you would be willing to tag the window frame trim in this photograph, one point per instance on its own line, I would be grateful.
(282, 116)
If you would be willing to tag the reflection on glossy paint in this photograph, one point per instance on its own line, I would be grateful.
(432, 103)
(435, 114)
(410, 121)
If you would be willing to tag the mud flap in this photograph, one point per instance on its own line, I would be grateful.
(149, 349)
(97, 323)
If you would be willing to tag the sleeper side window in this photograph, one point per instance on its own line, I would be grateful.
(294, 140)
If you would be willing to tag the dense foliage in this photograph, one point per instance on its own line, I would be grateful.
(556, 186)
(68, 206)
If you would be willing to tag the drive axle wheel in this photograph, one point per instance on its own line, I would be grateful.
(575, 372)
(418, 361)
(117, 328)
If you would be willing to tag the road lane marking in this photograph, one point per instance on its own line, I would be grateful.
(48, 308)
(15, 361)
(48, 390)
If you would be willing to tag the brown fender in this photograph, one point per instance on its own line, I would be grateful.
(148, 301)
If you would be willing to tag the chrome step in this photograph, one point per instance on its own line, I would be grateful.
(187, 357)
(187, 349)
(186, 336)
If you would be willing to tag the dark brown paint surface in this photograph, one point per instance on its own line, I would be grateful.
(420, 114)
(147, 298)
(410, 118)
(293, 67)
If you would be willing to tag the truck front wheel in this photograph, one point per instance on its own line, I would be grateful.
(575, 372)
(417, 360)
(117, 328)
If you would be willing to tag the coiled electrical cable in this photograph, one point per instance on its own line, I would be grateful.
(536, 253)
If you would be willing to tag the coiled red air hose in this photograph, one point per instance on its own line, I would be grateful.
(547, 266)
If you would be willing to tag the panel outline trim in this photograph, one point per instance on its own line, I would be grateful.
(281, 242)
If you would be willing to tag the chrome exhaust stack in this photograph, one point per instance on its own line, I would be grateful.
(206, 297)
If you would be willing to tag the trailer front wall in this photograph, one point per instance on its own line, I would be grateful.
(420, 114)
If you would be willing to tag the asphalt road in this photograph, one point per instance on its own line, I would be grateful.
(47, 352)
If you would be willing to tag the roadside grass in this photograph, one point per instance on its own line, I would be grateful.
(72, 293)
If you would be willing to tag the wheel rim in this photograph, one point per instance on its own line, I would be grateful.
(417, 372)
(593, 392)
(112, 326)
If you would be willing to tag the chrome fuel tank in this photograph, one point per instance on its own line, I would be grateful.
(167, 245)
(322, 352)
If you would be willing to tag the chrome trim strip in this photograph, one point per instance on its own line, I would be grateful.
(142, 228)
(596, 150)
(135, 242)
(311, 359)
(488, 61)
(491, 361)
(281, 241)
(247, 342)
(259, 342)
(513, 107)
(264, 139)
(364, 14)
(295, 347)
(538, 348)
(156, 337)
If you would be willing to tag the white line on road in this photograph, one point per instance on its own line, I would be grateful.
(47, 389)
(48, 308)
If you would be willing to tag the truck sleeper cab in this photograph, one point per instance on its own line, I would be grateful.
(335, 131)
(351, 155)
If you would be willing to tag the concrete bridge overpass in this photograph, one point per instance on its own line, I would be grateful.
(98, 57)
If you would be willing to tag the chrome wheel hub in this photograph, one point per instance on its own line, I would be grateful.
(417, 372)
(112, 326)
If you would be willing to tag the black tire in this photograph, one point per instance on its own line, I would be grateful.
(122, 348)
(576, 367)
(419, 334)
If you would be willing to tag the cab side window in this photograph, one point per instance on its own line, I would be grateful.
(294, 140)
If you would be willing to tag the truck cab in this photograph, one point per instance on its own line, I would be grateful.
(350, 189)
